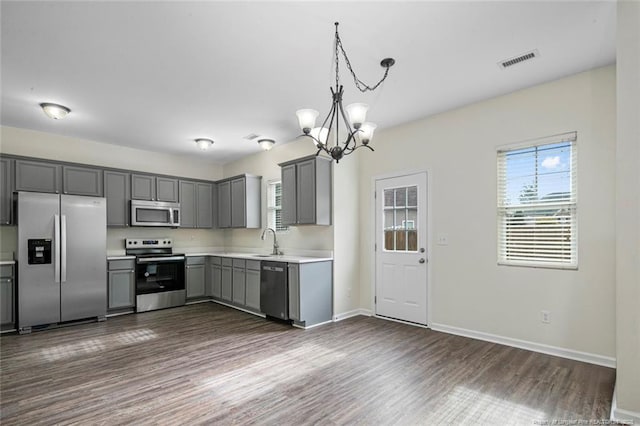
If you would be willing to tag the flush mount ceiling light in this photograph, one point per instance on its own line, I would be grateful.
(357, 130)
(55, 111)
(203, 143)
(266, 144)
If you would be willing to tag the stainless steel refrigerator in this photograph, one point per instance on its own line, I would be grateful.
(62, 250)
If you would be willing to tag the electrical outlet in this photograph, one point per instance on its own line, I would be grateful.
(545, 317)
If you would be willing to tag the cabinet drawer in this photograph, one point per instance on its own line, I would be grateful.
(6, 271)
(226, 261)
(216, 261)
(239, 263)
(253, 265)
(198, 260)
(121, 264)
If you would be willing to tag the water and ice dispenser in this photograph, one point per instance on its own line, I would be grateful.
(39, 251)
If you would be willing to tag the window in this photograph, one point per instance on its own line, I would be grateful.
(274, 206)
(537, 203)
(400, 218)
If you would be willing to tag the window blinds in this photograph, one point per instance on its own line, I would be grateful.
(537, 203)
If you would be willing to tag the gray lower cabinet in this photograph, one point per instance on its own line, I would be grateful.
(310, 292)
(121, 288)
(38, 176)
(252, 287)
(7, 298)
(82, 181)
(306, 191)
(239, 281)
(195, 277)
(214, 287)
(117, 191)
(226, 279)
(6, 190)
(152, 188)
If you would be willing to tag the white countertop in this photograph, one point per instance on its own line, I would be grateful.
(120, 257)
(7, 262)
(259, 256)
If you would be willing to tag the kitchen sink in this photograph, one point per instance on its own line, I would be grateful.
(262, 255)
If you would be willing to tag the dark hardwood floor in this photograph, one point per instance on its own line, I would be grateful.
(210, 364)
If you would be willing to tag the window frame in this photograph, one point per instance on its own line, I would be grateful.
(571, 205)
(272, 208)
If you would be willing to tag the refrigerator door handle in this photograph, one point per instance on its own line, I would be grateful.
(63, 248)
(56, 248)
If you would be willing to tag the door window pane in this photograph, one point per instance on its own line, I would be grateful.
(401, 219)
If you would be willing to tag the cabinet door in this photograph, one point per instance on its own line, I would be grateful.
(167, 190)
(238, 203)
(116, 190)
(195, 281)
(6, 301)
(253, 289)
(239, 278)
(216, 281)
(204, 212)
(188, 204)
(289, 209)
(294, 292)
(224, 205)
(82, 181)
(122, 289)
(143, 187)
(306, 192)
(38, 176)
(6, 190)
(226, 278)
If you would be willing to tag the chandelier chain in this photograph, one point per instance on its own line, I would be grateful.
(361, 85)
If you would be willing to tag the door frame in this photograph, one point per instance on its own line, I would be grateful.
(372, 242)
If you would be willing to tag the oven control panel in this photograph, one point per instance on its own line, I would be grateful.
(132, 243)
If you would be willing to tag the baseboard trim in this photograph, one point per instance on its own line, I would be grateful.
(236, 307)
(351, 314)
(620, 415)
(531, 346)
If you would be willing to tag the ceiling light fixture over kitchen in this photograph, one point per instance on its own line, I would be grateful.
(266, 144)
(357, 130)
(55, 111)
(204, 144)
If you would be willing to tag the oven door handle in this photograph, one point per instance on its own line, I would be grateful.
(160, 259)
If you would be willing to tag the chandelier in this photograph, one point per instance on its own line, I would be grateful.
(358, 132)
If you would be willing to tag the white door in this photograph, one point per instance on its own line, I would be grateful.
(401, 242)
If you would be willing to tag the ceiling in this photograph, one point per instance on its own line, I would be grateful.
(157, 75)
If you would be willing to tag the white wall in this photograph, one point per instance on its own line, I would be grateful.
(31, 143)
(628, 212)
(458, 148)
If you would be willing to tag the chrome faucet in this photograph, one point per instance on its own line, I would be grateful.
(275, 251)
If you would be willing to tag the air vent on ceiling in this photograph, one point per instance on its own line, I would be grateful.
(251, 136)
(518, 59)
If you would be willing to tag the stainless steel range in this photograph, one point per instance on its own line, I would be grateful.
(159, 273)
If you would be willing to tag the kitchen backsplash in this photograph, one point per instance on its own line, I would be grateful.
(181, 237)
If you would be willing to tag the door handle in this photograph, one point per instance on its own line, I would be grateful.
(56, 248)
(63, 248)
(421, 260)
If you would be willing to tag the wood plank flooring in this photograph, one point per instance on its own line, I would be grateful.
(209, 364)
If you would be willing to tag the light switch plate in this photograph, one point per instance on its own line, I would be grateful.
(443, 240)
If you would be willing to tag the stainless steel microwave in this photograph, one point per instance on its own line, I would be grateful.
(155, 213)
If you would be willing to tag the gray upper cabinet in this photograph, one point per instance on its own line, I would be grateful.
(38, 176)
(6, 190)
(143, 187)
(152, 188)
(204, 205)
(306, 191)
(82, 181)
(188, 204)
(167, 190)
(196, 204)
(117, 192)
(239, 202)
(224, 204)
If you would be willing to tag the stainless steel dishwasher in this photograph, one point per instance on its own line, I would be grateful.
(274, 290)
